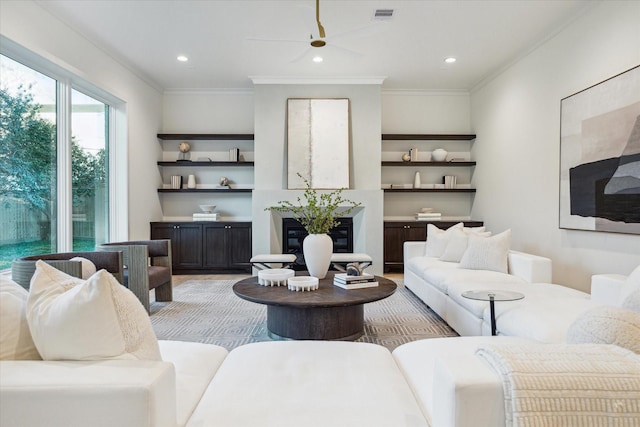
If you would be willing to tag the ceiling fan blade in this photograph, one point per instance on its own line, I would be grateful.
(267, 39)
(349, 52)
(364, 31)
(301, 56)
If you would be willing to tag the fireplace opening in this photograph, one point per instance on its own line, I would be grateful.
(293, 233)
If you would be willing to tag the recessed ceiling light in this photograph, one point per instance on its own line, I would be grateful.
(182, 58)
(317, 59)
(450, 60)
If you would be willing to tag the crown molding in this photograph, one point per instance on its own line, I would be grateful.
(337, 80)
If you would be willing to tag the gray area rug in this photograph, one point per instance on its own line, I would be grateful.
(208, 311)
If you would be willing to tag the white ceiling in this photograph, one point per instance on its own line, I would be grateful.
(409, 50)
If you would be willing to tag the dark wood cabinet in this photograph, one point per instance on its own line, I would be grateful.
(398, 232)
(207, 247)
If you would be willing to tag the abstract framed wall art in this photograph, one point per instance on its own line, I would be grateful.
(600, 156)
(318, 143)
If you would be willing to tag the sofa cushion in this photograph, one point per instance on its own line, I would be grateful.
(195, 365)
(15, 338)
(631, 285)
(308, 383)
(441, 278)
(458, 242)
(632, 302)
(607, 325)
(437, 239)
(73, 319)
(419, 264)
(487, 253)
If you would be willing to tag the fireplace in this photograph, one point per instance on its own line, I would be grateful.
(293, 233)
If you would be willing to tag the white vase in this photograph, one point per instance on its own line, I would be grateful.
(317, 249)
(439, 155)
(191, 182)
(416, 180)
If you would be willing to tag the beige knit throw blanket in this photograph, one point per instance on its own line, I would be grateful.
(556, 385)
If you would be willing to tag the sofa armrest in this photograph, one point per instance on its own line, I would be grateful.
(123, 393)
(606, 288)
(532, 268)
(412, 250)
(466, 393)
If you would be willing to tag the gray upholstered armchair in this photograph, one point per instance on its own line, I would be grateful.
(22, 269)
(147, 265)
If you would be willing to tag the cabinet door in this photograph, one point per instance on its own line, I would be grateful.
(215, 247)
(239, 245)
(188, 246)
(393, 240)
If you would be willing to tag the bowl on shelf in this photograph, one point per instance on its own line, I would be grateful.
(207, 208)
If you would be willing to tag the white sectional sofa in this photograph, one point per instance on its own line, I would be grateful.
(544, 314)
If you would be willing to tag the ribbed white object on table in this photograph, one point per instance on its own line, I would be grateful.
(303, 283)
(274, 276)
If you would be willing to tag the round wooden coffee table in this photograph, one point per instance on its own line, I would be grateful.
(329, 313)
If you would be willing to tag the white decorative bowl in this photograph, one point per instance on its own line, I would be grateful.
(207, 208)
(303, 283)
(274, 276)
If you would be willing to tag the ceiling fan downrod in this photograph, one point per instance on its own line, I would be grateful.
(319, 42)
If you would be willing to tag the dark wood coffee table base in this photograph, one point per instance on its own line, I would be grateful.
(316, 323)
(328, 313)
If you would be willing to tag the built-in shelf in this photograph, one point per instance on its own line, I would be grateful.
(428, 137)
(207, 136)
(432, 164)
(205, 190)
(204, 163)
(429, 190)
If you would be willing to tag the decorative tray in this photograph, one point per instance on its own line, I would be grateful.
(303, 283)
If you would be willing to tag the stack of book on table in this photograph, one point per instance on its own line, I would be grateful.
(213, 216)
(428, 216)
(354, 282)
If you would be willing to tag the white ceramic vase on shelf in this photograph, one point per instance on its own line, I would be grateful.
(416, 180)
(191, 182)
(317, 250)
(439, 155)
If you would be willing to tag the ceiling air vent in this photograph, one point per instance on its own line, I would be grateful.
(383, 14)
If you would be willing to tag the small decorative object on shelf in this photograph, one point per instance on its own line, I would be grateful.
(207, 208)
(176, 182)
(234, 154)
(416, 180)
(302, 283)
(406, 157)
(191, 182)
(439, 155)
(449, 181)
(275, 276)
(184, 148)
(413, 153)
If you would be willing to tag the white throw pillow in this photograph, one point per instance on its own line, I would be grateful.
(458, 242)
(632, 302)
(88, 267)
(488, 253)
(631, 285)
(437, 239)
(73, 319)
(607, 325)
(15, 338)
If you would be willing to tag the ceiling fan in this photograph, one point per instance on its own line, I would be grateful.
(321, 40)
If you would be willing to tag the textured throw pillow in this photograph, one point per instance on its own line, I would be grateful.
(458, 242)
(73, 319)
(437, 239)
(632, 302)
(631, 285)
(488, 253)
(88, 267)
(15, 338)
(607, 325)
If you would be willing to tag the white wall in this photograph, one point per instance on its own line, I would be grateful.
(517, 119)
(30, 26)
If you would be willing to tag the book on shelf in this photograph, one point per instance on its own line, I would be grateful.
(428, 216)
(369, 284)
(205, 216)
(345, 278)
